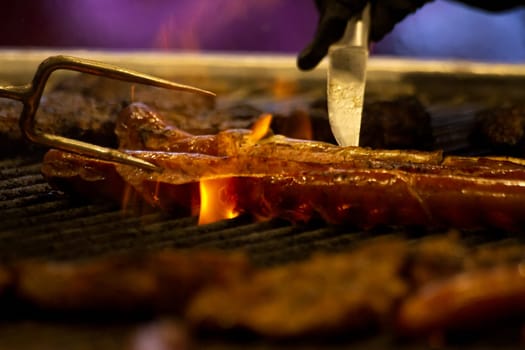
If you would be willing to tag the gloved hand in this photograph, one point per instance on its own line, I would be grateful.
(385, 14)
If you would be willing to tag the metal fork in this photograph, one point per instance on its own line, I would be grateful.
(31, 94)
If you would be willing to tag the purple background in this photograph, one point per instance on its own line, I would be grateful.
(440, 29)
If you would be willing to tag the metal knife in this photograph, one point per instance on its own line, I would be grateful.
(346, 80)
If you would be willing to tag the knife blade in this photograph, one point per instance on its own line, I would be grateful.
(346, 80)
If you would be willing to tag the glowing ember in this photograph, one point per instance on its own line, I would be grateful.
(261, 127)
(218, 202)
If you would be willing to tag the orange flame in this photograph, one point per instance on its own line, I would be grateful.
(261, 126)
(217, 200)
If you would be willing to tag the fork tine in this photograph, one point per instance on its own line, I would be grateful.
(84, 65)
(30, 95)
(95, 151)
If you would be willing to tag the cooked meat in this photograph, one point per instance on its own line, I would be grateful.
(415, 288)
(298, 180)
(128, 283)
(459, 287)
(399, 124)
(506, 252)
(85, 107)
(468, 300)
(269, 188)
(441, 284)
(327, 295)
(175, 105)
(79, 116)
(435, 257)
(501, 129)
(66, 113)
(141, 128)
(439, 257)
(11, 140)
(402, 123)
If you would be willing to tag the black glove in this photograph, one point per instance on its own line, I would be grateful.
(385, 14)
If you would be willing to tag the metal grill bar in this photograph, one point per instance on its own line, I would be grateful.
(18, 214)
(17, 167)
(24, 201)
(36, 221)
(23, 191)
(24, 180)
(58, 211)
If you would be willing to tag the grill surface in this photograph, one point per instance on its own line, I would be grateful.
(36, 221)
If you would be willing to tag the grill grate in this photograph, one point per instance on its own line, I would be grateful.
(37, 221)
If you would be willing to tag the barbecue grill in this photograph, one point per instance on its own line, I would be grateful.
(40, 222)
(37, 221)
